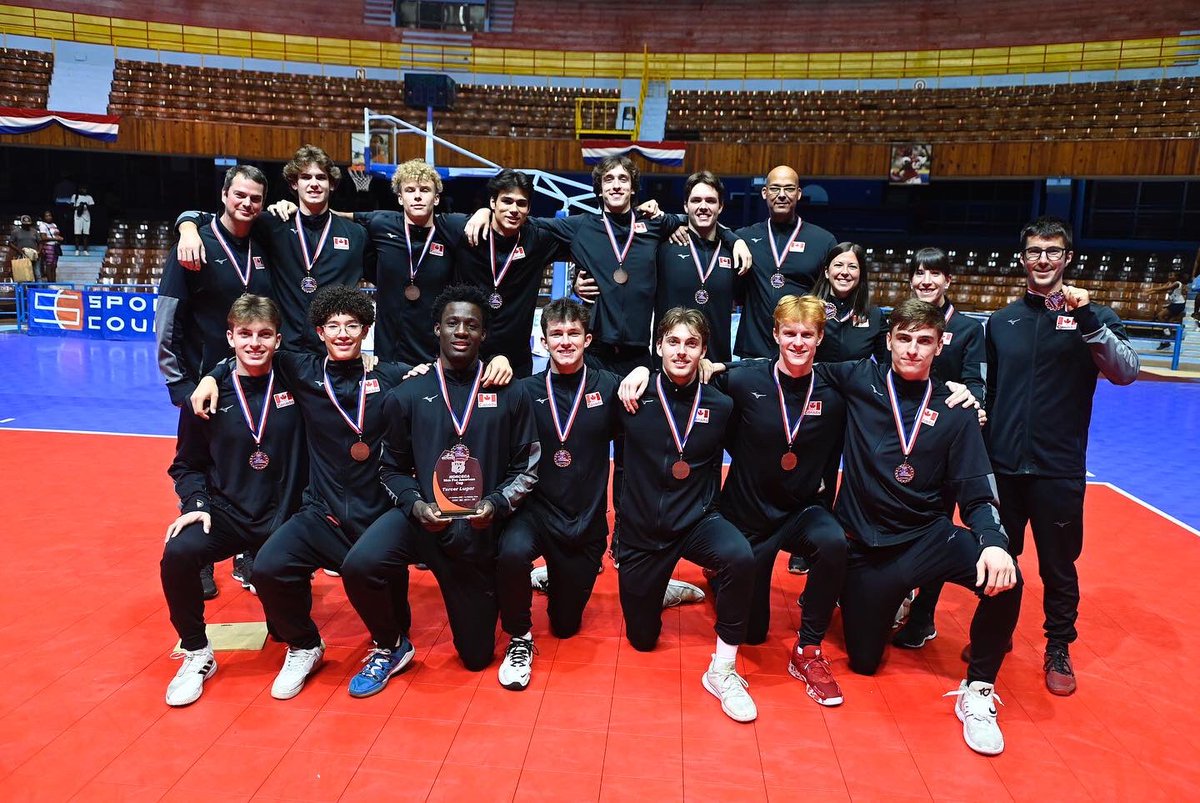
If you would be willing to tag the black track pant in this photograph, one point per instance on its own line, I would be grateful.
(571, 570)
(183, 556)
(877, 580)
(375, 574)
(1053, 508)
(283, 574)
(714, 543)
(814, 533)
(928, 595)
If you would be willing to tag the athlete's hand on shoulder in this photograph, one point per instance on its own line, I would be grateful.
(995, 571)
(417, 370)
(959, 395)
(680, 236)
(632, 387)
(204, 397)
(282, 209)
(190, 250)
(429, 517)
(1076, 296)
(982, 416)
(650, 208)
(497, 373)
(369, 361)
(742, 260)
(477, 227)
(191, 517)
(707, 369)
(586, 287)
(482, 517)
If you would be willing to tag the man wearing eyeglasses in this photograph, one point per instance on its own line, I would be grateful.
(789, 254)
(1044, 353)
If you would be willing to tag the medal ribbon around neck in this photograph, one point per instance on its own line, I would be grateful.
(244, 275)
(565, 432)
(311, 262)
(357, 426)
(619, 253)
(712, 263)
(907, 442)
(256, 432)
(497, 278)
(413, 267)
(790, 432)
(787, 246)
(460, 428)
(949, 313)
(680, 443)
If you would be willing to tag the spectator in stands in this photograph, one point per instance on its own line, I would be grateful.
(25, 241)
(82, 203)
(52, 240)
(1172, 311)
(1045, 352)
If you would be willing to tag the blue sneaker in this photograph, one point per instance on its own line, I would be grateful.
(381, 664)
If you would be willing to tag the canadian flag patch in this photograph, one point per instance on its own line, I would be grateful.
(283, 399)
(341, 243)
(724, 262)
(594, 399)
(519, 252)
(929, 417)
(702, 415)
(639, 227)
(947, 337)
(814, 408)
(437, 249)
(372, 385)
(796, 247)
(258, 263)
(486, 400)
(1066, 323)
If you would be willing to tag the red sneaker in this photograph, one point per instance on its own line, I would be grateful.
(809, 665)
(1060, 675)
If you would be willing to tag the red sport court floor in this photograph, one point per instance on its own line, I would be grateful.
(85, 645)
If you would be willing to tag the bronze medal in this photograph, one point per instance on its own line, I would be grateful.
(259, 460)
(360, 451)
(412, 292)
(620, 276)
(905, 473)
(777, 281)
(788, 461)
(701, 296)
(562, 458)
(1056, 301)
(308, 284)
(680, 470)
(495, 300)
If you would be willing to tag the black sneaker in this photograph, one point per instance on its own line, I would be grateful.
(243, 570)
(797, 565)
(208, 582)
(913, 635)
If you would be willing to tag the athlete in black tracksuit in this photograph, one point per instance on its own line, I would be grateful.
(679, 283)
(566, 517)
(1042, 367)
(899, 534)
(189, 316)
(500, 434)
(849, 338)
(335, 246)
(212, 474)
(801, 260)
(425, 259)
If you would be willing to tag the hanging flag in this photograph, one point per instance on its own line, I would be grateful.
(663, 153)
(23, 121)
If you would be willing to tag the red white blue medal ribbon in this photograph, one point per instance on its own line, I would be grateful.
(680, 443)
(244, 275)
(413, 267)
(712, 263)
(619, 253)
(460, 425)
(907, 442)
(787, 246)
(256, 430)
(565, 432)
(311, 261)
(499, 277)
(949, 313)
(790, 431)
(356, 423)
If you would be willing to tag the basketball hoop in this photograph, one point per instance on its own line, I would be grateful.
(360, 177)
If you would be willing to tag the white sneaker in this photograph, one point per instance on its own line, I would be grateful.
(904, 609)
(297, 666)
(517, 666)
(976, 710)
(188, 684)
(724, 683)
(331, 573)
(679, 592)
(539, 578)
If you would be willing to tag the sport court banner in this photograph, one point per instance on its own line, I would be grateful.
(23, 121)
(664, 153)
(85, 313)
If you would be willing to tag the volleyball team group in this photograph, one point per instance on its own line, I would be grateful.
(443, 450)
